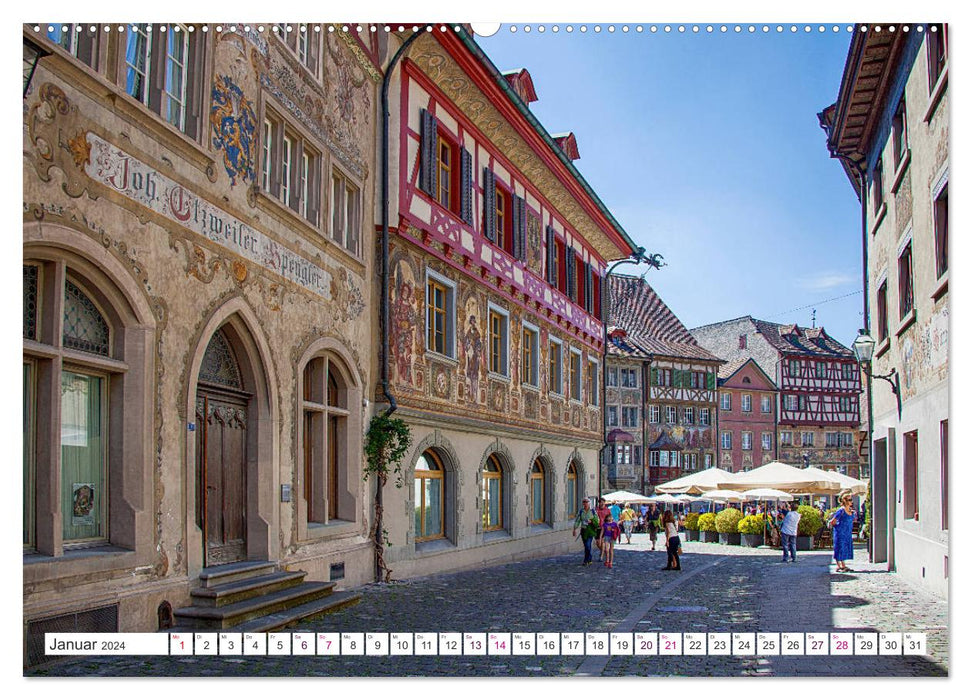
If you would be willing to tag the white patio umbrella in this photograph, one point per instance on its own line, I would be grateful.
(766, 495)
(785, 477)
(846, 483)
(723, 496)
(625, 497)
(696, 483)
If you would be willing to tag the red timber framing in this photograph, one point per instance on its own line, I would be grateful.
(466, 235)
(819, 390)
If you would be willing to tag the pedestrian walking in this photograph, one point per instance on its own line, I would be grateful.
(615, 511)
(611, 535)
(673, 542)
(652, 518)
(626, 522)
(790, 528)
(602, 512)
(588, 524)
(842, 524)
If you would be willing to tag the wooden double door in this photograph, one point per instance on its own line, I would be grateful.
(221, 465)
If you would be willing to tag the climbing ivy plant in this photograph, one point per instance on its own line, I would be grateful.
(386, 443)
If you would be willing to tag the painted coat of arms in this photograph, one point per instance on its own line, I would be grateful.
(233, 123)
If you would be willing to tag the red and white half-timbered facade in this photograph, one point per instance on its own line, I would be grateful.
(497, 251)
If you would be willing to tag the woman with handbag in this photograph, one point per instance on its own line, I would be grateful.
(673, 542)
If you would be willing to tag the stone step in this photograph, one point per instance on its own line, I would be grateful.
(295, 615)
(244, 589)
(222, 618)
(226, 573)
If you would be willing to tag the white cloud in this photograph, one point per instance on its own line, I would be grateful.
(825, 281)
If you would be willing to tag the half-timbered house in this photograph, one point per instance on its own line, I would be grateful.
(818, 380)
(496, 251)
(679, 385)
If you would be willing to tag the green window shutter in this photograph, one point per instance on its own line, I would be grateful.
(653, 376)
(710, 380)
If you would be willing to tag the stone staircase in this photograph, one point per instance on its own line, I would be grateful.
(257, 597)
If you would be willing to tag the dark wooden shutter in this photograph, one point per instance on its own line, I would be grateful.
(195, 95)
(571, 273)
(428, 172)
(637, 455)
(653, 376)
(489, 204)
(517, 214)
(588, 286)
(550, 256)
(521, 229)
(466, 187)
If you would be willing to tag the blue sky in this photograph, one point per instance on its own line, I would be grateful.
(707, 149)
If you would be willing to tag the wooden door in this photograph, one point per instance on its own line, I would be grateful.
(221, 462)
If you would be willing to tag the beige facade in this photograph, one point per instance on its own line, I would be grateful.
(899, 139)
(197, 338)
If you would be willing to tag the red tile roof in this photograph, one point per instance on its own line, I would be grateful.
(791, 339)
(652, 328)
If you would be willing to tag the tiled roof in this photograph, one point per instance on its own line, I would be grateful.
(727, 370)
(651, 327)
(804, 341)
(618, 435)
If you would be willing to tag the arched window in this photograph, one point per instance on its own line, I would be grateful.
(74, 363)
(572, 490)
(429, 497)
(324, 408)
(537, 493)
(492, 495)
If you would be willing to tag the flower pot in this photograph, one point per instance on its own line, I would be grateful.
(709, 536)
(804, 543)
(756, 540)
(693, 535)
(729, 538)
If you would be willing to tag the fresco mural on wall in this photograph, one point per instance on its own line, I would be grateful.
(472, 344)
(233, 123)
(404, 319)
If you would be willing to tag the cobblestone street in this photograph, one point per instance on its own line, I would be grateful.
(721, 589)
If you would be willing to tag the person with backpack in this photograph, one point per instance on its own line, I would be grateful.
(589, 526)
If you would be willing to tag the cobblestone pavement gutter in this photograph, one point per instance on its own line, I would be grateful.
(731, 589)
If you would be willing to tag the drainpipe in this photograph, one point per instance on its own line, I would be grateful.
(385, 279)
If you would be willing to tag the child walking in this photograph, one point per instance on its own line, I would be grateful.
(611, 532)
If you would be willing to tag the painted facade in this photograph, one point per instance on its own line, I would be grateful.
(819, 387)
(898, 139)
(496, 253)
(197, 340)
(747, 400)
(679, 379)
(626, 460)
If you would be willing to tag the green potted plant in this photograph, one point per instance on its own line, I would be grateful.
(692, 531)
(706, 525)
(726, 523)
(809, 525)
(752, 530)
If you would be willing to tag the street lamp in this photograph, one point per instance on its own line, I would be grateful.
(33, 52)
(863, 348)
(640, 255)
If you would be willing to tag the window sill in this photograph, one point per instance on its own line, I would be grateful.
(428, 547)
(438, 356)
(495, 536)
(941, 287)
(539, 528)
(906, 322)
(898, 175)
(882, 348)
(105, 550)
(529, 386)
(936, 95)
(504, 378)
(878, 218)
(335, 528)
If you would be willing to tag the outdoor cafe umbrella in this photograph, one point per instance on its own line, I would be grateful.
(625, 497)
(785, 477)
(696, 483)
(722, 496)
(766, 495)
(846, 483)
